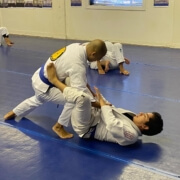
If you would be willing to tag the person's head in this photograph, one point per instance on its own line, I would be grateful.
(95, 49)
(149, 123)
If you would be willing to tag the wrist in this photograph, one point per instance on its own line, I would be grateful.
(102, 103)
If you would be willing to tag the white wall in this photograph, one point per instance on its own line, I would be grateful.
(176, 25)
(156, 26)
(45, 22)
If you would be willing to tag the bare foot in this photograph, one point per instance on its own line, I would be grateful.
(124, 72)
(107, 66)
(127, 61)
(9, 115)
(101, 71)
(10, 43)
(61, 132)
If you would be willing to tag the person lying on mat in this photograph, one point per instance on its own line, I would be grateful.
(72, 62)
(107, 123)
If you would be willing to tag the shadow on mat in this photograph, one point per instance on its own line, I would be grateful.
(30, 125)
(145, 152)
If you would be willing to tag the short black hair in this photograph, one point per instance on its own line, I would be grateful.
(155, 125)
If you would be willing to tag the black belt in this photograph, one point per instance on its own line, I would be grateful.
(90, 133)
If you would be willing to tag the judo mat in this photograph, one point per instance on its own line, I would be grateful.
(30, 150)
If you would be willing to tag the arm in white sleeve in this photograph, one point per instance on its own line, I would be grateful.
(116, 126)
(112, 123)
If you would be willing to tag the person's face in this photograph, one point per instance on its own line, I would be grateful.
(141, 119)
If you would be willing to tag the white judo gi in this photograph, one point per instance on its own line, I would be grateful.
(69, 62)
(109, 123)
(114, 55)
(3, 31)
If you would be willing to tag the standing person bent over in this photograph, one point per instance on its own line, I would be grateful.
(70, 61)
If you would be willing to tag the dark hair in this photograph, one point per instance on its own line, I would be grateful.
(155, 125)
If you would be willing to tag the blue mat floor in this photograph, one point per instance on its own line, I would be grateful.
(31, 151)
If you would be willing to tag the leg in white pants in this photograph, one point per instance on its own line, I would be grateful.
(119, 53)
(71, 95)
(28, 105)
(83, 115)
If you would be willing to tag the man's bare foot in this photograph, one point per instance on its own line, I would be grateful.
(107, 66)
(127, 61)
(61, 132)
(124, 72)
(9, 115)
